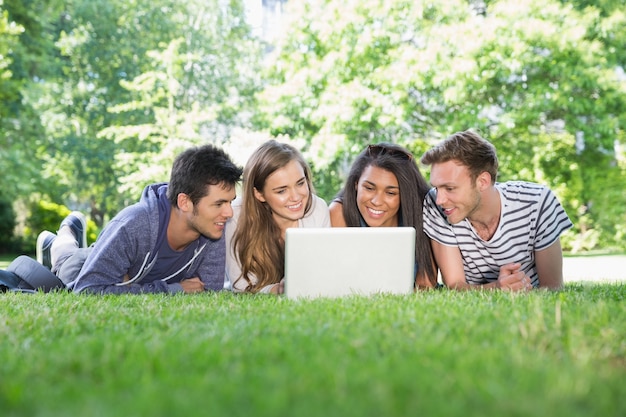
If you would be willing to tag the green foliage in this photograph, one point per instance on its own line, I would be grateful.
(97, 97)
(77, 63)
(33, 61)
(9, 32)
(7, 223)
(176, 120)
(541, 80)
(544, 353)
(11, 145)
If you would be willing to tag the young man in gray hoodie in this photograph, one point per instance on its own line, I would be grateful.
(170, 241)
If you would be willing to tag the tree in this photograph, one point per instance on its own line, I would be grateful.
(77, 63)
(9, 32)
(533, 76)
(17, 50)
(198, 89)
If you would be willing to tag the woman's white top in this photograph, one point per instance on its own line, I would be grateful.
(318, 216)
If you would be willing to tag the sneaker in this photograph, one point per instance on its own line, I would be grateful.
(44, 243)
(77, 223)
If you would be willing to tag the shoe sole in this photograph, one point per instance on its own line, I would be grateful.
(40, 248)
(82, 239)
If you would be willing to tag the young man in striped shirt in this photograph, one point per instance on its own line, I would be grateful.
(487, 234)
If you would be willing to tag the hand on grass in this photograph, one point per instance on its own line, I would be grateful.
(512, 278)
(192, 285)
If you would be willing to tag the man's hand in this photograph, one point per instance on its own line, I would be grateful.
(192, 285)
(511, 278)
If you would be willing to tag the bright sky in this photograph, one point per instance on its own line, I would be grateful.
(254, 13)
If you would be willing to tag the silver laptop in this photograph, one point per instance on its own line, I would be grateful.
(341, 261)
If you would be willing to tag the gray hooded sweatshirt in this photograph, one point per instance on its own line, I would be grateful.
(127, 249)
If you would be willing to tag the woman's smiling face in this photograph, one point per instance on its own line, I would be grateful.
(286, 192)
(378, 197)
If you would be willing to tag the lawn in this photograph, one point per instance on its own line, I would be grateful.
(437, 353)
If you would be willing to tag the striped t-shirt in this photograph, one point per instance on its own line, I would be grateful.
(531, 219)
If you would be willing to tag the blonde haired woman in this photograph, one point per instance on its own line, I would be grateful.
(277, 194)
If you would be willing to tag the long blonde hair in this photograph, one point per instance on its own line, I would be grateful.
(258, 240)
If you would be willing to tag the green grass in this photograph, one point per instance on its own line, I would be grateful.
(438, 353)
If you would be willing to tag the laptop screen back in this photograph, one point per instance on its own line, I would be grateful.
(341, 261)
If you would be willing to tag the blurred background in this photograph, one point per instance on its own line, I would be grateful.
(96, 98)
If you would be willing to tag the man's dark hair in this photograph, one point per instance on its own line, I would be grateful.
(198, 167)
